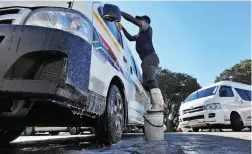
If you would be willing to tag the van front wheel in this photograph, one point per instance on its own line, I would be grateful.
(110, 128)
(195, 129)
(236, 122)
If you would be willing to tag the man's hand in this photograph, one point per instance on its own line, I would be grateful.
(119, 25)
(128, 36)
(131, 19)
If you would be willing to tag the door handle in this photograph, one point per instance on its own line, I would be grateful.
(124, 59)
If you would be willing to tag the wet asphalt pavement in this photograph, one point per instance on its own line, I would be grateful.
(175, 143)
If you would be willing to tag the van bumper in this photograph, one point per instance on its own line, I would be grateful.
(42, 90)
(24, 50)
(206, 118)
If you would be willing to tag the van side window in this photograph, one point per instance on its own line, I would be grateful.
(226, 91)
(115, 31)
(112, 27)
(248, 92)
(242, 93)
(137, 72)
(100, 11)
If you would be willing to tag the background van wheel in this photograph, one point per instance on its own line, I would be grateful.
(236, 122)
(143, 130)
(74, 130)
(9, 134)
(110, 124)
(54, 133)
(195, 129)
(29, 131)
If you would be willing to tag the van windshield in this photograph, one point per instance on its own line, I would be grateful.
(201, 94)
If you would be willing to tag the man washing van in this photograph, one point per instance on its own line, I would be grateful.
(146, 51)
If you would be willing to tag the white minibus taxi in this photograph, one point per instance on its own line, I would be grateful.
(66, 64)
(224, 104)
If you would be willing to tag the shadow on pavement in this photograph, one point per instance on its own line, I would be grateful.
(175, 143)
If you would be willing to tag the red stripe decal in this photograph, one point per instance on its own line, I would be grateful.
(107, 46)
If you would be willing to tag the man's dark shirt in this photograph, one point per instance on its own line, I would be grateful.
(144, 44)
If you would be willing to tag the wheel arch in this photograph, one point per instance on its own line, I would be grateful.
(119, 83)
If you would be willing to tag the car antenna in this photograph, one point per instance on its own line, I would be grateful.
(70, 4)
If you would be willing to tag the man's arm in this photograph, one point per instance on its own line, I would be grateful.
(131, 19)
(128, 36)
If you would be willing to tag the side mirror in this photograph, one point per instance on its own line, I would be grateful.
(223, 93)
(111, 13)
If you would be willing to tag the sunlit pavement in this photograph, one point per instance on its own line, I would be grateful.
(177, 143)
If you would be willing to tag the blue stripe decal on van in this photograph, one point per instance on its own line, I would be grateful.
(103, 48)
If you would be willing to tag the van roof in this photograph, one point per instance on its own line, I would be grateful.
(229, 83)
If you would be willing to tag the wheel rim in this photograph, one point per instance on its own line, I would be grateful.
(118, 111)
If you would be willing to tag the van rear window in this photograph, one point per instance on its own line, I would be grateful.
(249, 94)
(244, 94)
(202, 93)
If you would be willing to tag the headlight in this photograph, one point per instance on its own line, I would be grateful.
(60, 19)
(51, 19)
(213, 106)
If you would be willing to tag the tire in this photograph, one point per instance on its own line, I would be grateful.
(10, 134)
(195, 129)
(236, 122)
(74, 130)
(54, 133)
(110, 125)
(29, 131)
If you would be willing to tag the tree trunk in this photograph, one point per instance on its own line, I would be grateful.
(169, 125)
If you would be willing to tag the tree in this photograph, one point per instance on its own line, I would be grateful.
(175, 88)
(240, 72)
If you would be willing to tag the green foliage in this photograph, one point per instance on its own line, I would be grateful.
(240, 72)
(175, 88)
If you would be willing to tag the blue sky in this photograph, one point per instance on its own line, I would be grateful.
(198, 38)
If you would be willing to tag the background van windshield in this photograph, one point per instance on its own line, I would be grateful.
(201, 94)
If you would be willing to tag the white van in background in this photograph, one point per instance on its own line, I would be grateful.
(224, 104)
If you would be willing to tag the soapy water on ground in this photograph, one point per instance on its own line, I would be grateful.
(174, 143)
